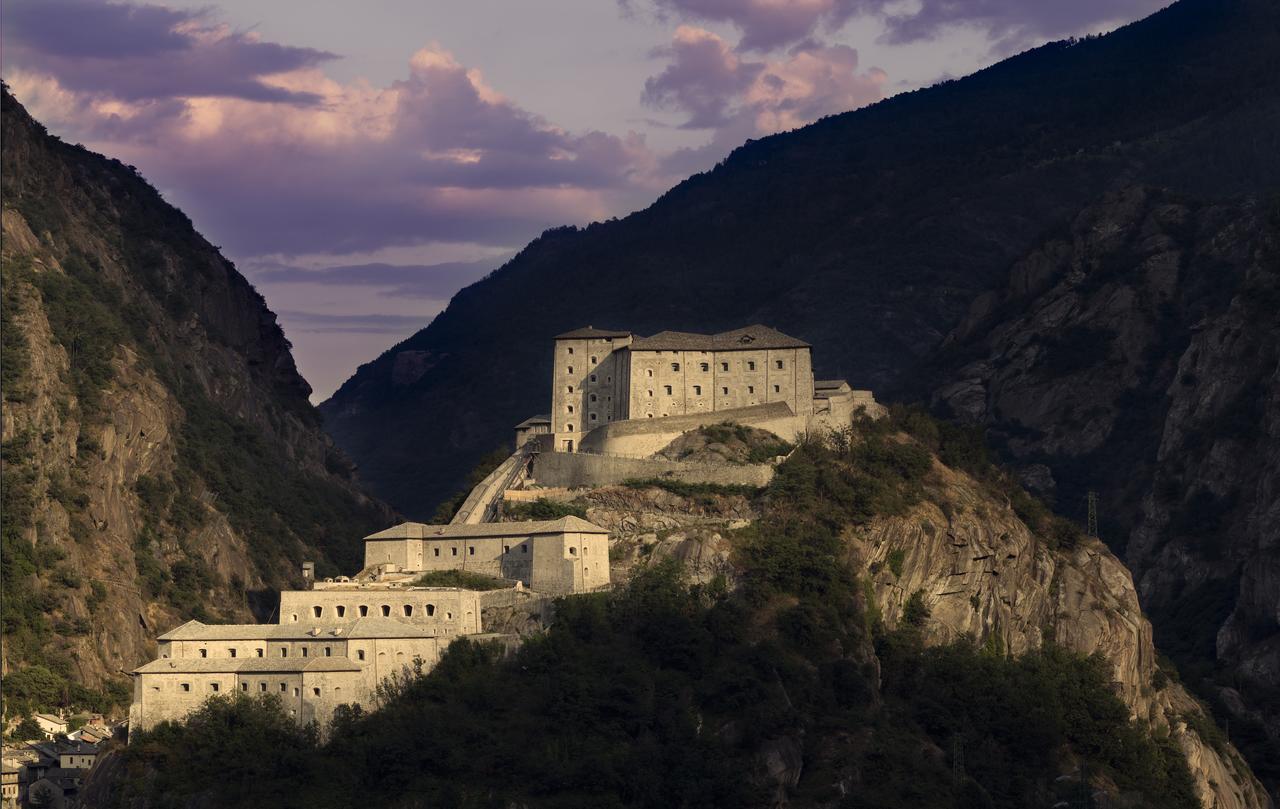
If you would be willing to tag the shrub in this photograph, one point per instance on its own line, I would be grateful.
(543, 509)
(466, 579)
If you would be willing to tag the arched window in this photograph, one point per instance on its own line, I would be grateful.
(408, 610)
(386, 610)
(570, 369)
(431, 609)
(364, 610)
(342, 611)
(317, 611)
(569, 427)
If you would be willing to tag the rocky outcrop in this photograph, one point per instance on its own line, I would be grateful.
(161, 460)
(984, 575)
(1138, 355)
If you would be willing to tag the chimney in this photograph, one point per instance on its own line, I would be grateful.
(308, 574)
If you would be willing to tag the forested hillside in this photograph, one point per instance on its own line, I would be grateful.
(1084, 229)
(160, 459)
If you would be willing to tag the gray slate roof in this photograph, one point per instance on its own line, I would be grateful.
(417, 530)
(532, 420)
(591, 333)
(750, 338)
(245, 665)
(372, 627)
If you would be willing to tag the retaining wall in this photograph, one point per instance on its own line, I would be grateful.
(577, 469)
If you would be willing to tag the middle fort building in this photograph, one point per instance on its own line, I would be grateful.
(603, 376)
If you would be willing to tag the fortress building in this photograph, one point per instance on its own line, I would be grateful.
(334, 643)
(754, 375)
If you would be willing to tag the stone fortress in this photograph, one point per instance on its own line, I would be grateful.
(614, 393)
(606, 385)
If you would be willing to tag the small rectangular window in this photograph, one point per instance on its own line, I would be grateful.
(570, 369)
(780, 363)
(261, 652)
(186, 686)
(359, 654)
(283, 688)
(724, 366)
(571, 349)
(204, 652)
(437, 551)
(296, 692)
(705, 366)
(725, 391)
(593, 360)
(328, 652)
(244, 686)
(571, 388)
(455, 551)
(593, 377)
(231, 652)
(524, 548)
(777, 389)
(213, 687)
(284, 652)
(668, 389)
(675, 366)
(751, 388)
(471, 551)
(262, 687)
(304, 651)
(315, 691)
(697, 390)
(751, 366)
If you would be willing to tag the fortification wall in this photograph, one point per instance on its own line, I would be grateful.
(644, 437)
(572, 470)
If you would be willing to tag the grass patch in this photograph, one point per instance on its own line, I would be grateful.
(543, 509)
(466, 579)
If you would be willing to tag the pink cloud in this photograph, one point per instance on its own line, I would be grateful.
(765, 24)
(436, 156)
(714, 88)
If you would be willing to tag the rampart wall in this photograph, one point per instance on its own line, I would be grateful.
(577, 469)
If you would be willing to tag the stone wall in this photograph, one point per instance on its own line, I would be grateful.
(447, 610)
(672, 383)
(642, 438)
(575, 470)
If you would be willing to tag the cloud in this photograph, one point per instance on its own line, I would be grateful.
(765, 24)
(147, 52)
(316, 322)
(429, 281)
(320, 166)
(1011, 23)
(715, 89)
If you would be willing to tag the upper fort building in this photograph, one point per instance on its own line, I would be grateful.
(604, 376)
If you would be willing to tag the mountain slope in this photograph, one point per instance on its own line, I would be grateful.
(888, 235)
(1138, 354)
(160, 459)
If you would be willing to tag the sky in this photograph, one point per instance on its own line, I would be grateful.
(362, 160)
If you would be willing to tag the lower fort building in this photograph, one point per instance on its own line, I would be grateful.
(333, 644)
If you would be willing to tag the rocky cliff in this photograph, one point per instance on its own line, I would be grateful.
(1137, 354)
(161, 460)
(964, 553)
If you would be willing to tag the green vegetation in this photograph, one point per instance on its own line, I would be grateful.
(894, 561)
(461, 578)
(701, 493)
(543, 509)
(746, 444)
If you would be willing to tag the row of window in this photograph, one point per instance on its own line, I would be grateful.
(363, 610)
(262, 688)
(705, 367)
(697, 390)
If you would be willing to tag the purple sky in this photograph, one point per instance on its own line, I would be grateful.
(360, 162)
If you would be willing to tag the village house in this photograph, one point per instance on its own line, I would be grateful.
(50, 724)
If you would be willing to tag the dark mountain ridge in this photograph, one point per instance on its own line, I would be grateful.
(878, 233)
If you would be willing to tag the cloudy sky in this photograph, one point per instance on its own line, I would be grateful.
(361, 160)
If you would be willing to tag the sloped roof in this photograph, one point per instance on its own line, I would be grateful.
(749, 338)
(369, 627)
(245, 665)
(417, 530)
(591, 333)
(532, 420)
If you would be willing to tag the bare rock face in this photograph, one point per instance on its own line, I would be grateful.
(648, 524)
(984, 575)
(158, 442)
(1138, 355)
